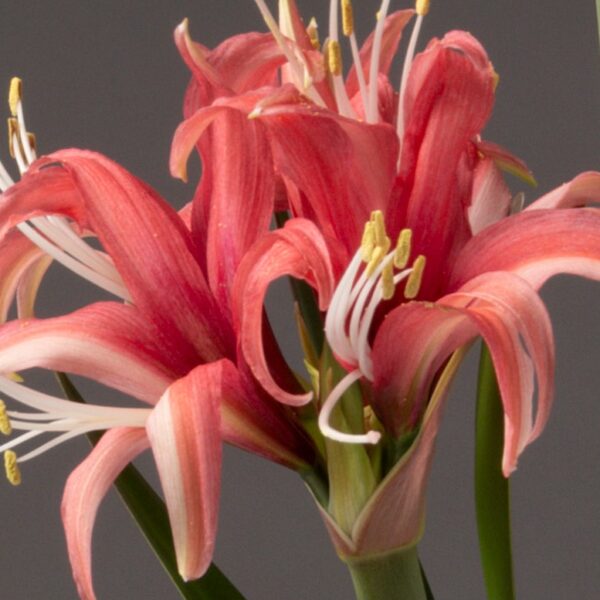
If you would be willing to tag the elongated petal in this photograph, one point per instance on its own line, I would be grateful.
(184, 431)
(297, 250)
(583, 190)
(85, 489)
(153, 253)
(516, 327)
(107, 342)
(329, 160)
(535, 244)
(392, 34)
(448, 100)
(490, 200)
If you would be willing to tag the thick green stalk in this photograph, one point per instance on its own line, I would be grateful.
(492, 497)
(149, 511)
(392, 576)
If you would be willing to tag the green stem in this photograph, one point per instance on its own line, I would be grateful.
(492, 494)
(149, 511)
(393, 576)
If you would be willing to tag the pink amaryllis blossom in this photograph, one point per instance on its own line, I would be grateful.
(399, 205)
(166, 340)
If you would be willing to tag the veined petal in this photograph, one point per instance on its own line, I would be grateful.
(392, 34)
(297, 250)
(154, 254)
(516, 327)
(85, 489)
(107, 342)
(184, 432)
(535, 244)
(448, 100)
(583, 190)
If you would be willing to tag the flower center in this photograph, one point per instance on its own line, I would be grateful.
(354, 303)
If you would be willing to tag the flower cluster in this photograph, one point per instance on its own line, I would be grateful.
(403, 242)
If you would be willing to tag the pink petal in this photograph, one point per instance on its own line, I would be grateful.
(516, 327)
(581, 191)
(184, 432)
(153, 253)
(392, 34)
(297, 250)
(535, 244)
(505, 160)
(85, 489)
(491, 198)
(107, 342)
(448, 100)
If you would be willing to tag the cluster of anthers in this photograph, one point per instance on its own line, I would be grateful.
(55, 236)
(300, 72)
(353, 306)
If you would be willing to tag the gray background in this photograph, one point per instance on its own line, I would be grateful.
(105, 75)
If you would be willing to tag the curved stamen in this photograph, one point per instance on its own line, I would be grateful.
(371, 437)
(372, 106)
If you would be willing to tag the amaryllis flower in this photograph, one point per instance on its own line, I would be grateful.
(399, 206)
(167, 340)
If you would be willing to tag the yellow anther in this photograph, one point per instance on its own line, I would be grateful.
(347, 18)
(13, 130)
(31, 140)
(496, 78)
(422, 7)
(13, 473)
(5, 426)
(413, 283)
(379, 226)
(15, 94)
(313, 33)
(387, 281)
(368, 242)
(403, 249)
(334, 57)
(376, 257)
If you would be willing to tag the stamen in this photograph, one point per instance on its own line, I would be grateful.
(334, 58)
(371, 437)
(347, 18)
(376, 258)
(403, 249)
(372, 108)
(15, 94)
(13, 473)
(13, 129)
(313, 33)
(415, 278)
(387, 281)
(368, 242)
(422, 7)
(5, 426)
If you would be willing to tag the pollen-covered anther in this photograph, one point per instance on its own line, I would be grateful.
(403, 249)
(11, 466)
(5, 426)
(376, 257)
(31, 140)
(313, 33)
(368, 242)
(379, 226)
(413, 284)
(15, 93)
(387, 281)
(13, 134)
(347, 18)
(422, 7)
(334, 57)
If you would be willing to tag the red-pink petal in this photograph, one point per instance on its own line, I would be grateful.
(297, 250)
(107, 342)
(184, 432)
(535, 244)
(505, 160)
(85, 489)
(583, 190)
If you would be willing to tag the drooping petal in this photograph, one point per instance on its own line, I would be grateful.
(184, 432)
(448, 100)
(297, 250)
(490, 200)
(516, 327)
(154, 254)
(583, 190)
(505, 160)
(392, 34)
(107, 342)
(535, 244)
(86, 487)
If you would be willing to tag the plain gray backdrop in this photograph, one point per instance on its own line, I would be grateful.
(105, 75)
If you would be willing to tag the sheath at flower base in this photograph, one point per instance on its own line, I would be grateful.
(171, 346)
(413, 166)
